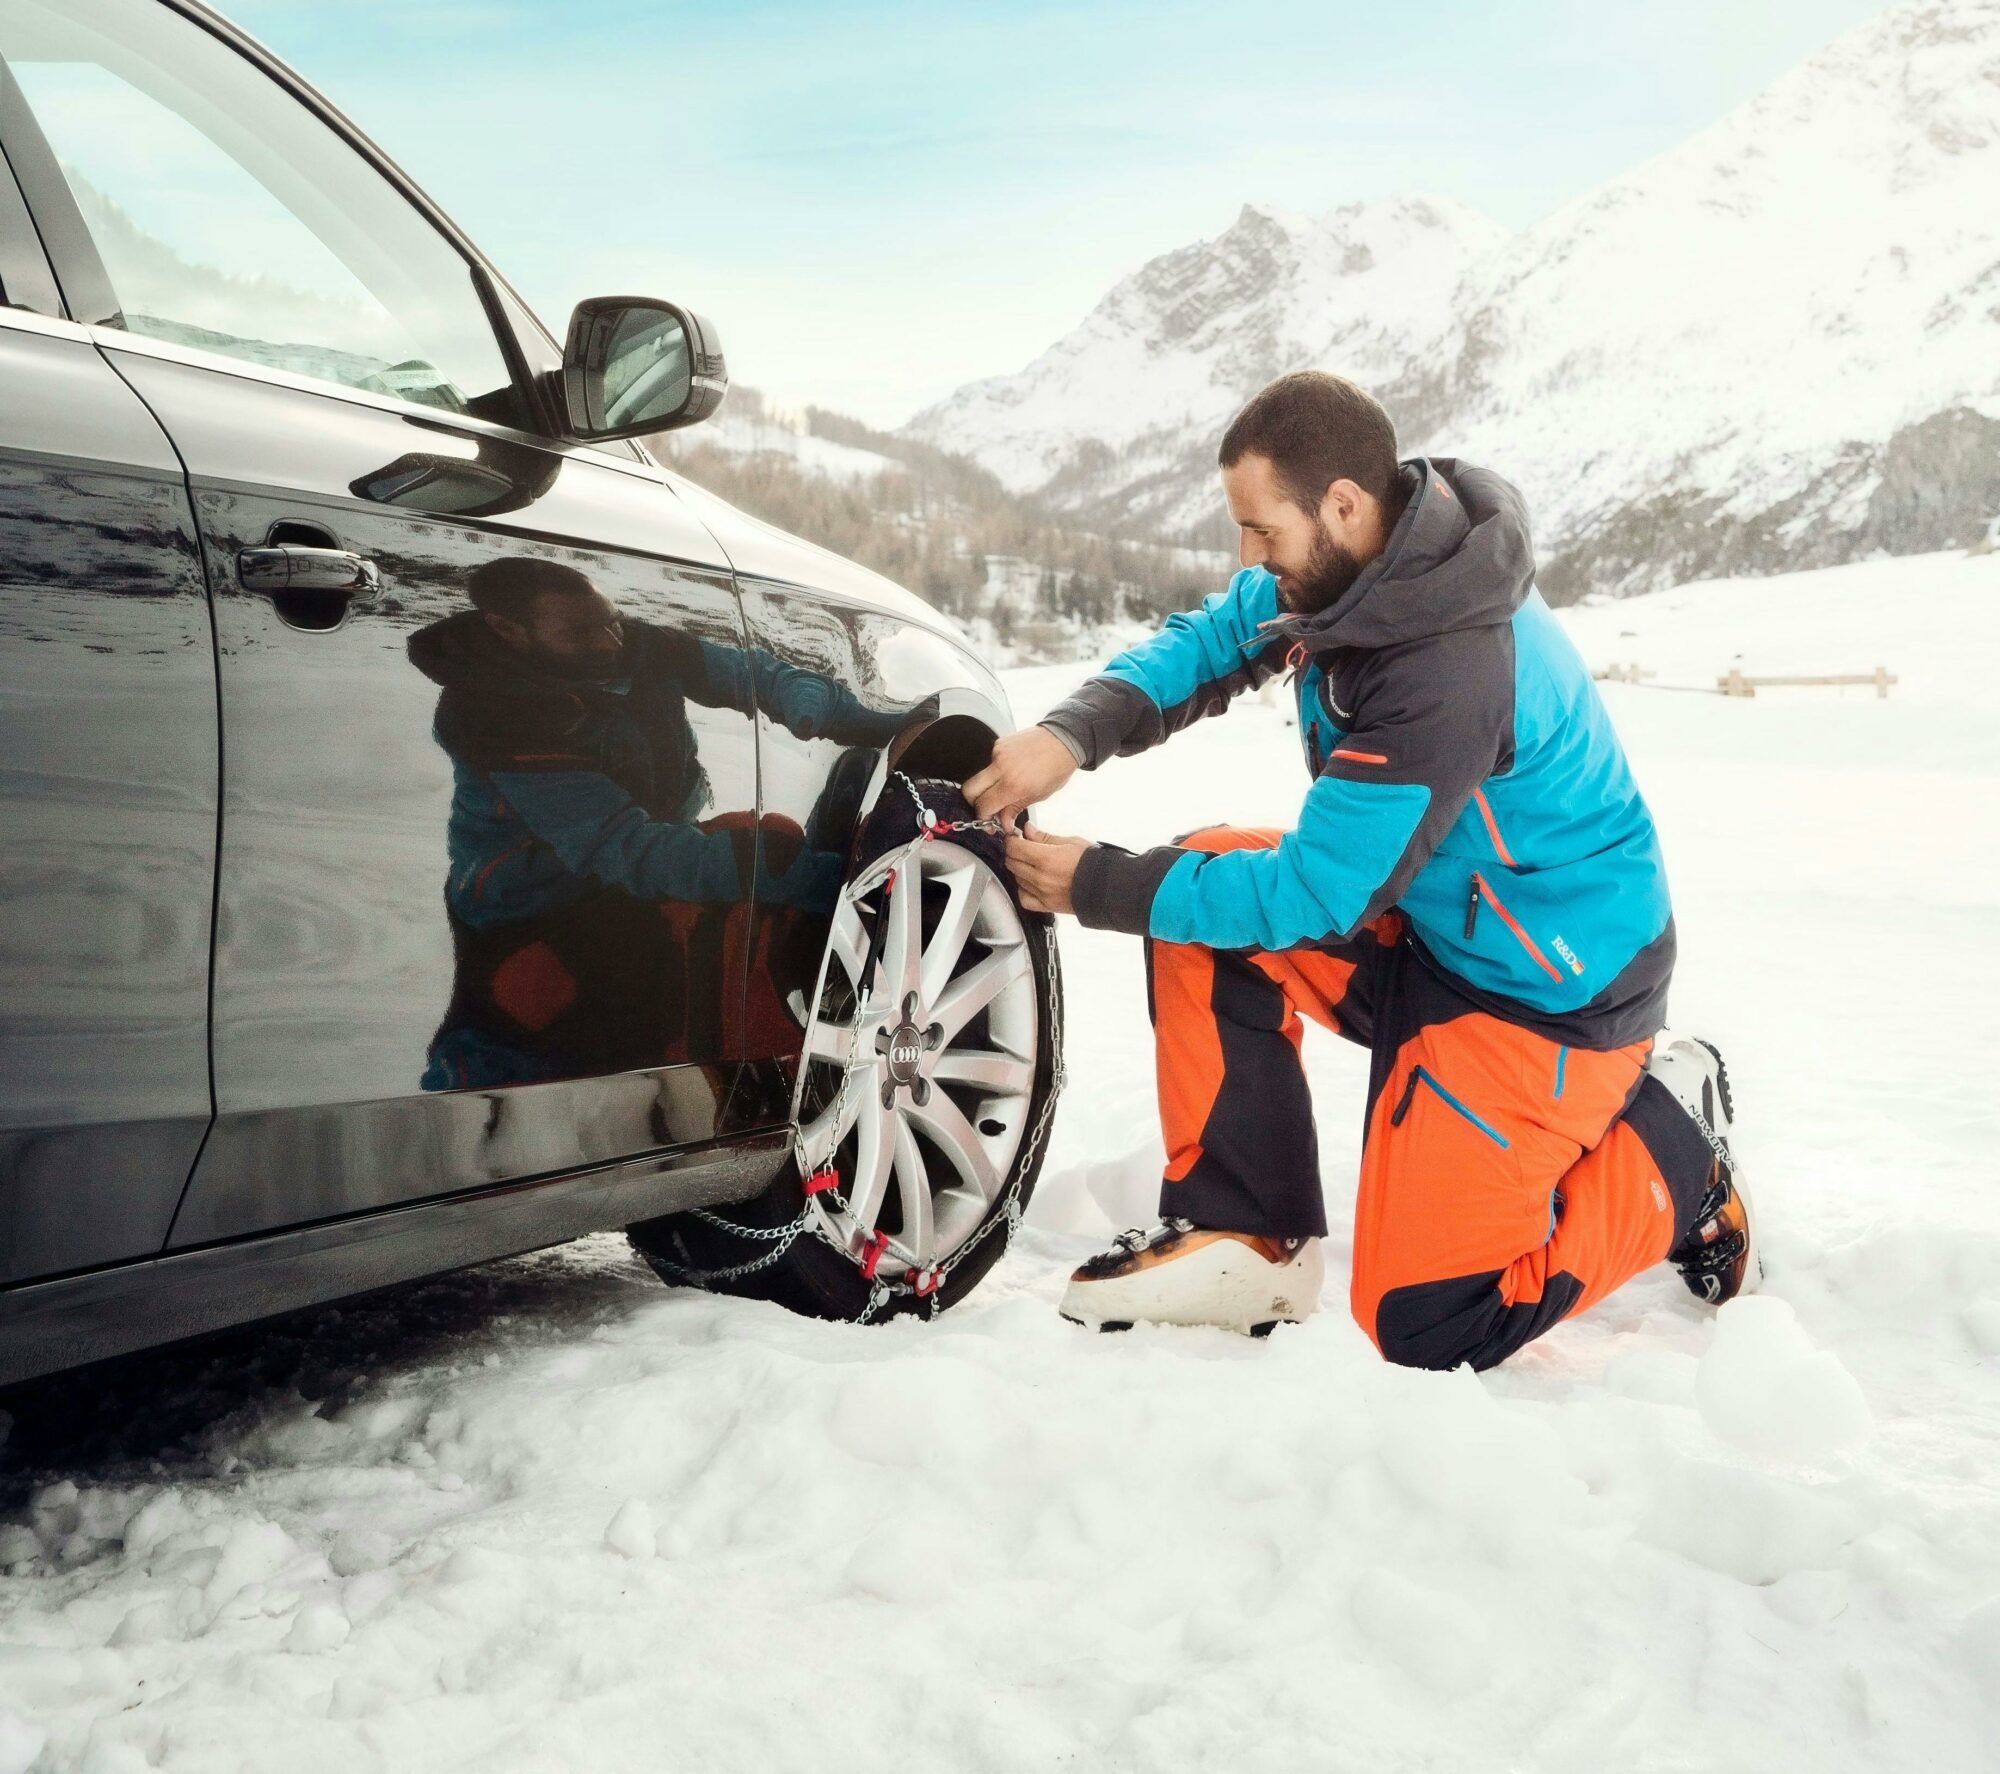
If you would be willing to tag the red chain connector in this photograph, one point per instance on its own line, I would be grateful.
(872, 1258)
(821, 1180)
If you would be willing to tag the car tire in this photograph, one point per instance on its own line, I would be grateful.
(811, 1256)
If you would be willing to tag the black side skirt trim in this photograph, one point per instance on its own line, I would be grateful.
(45, 1326)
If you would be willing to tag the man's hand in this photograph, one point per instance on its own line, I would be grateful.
(1043, 867)
(1027, 767)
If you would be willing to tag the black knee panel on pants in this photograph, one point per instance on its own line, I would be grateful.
(1439, 1324)
(1676, 1146)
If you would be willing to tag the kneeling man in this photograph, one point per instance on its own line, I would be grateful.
(1473, 891)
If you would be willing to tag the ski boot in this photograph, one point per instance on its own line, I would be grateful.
(1718, 1258)
(1181, 1273)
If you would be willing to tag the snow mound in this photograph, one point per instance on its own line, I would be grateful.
(1764, 1388)
(1435, 1639)
(20, 1744)
(631, 1530)
(1748, 1525)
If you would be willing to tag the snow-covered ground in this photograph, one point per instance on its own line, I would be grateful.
(547, 1515)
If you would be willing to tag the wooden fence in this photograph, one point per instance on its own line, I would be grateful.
(1737, 684)
(1740, 683)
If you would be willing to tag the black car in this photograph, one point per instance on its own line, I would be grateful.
(430, 829)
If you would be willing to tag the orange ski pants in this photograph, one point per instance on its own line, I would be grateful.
(1507, 1180)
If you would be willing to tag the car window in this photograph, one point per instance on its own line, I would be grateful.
(231, 218)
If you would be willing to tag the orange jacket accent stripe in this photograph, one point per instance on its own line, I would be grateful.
(1492, 827)
(1361, 757)
(1521, 936)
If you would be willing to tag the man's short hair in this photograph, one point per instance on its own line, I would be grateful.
(1314, 429)
(509, 586)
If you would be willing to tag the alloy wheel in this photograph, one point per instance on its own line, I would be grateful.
(938, 1053)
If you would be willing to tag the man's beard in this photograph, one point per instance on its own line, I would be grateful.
(585, 668)
(1330, 572)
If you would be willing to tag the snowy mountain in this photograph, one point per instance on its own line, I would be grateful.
(1777, 345)
(1121, 417)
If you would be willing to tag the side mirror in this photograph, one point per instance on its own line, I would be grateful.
(634, 364)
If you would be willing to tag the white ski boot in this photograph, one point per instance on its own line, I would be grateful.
(1718, 1259)
(1180, 1273)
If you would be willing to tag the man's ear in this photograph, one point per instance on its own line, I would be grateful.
(1342, 505)
(514, 634)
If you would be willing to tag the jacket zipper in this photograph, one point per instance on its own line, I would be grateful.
(1483, 888)
(1472, 909)
(1307, 696)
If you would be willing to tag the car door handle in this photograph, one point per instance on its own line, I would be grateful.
(290, 566)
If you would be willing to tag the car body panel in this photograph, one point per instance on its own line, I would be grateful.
(339, 969)
(108, 769)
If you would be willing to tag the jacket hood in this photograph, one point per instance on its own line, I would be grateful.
(461, 652)
(1460, 556)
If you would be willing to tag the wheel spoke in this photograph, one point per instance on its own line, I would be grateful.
(913, 1184)
(822, 1135)
(977, 987)
(954, 930)
(875, 1150)
(850, 941)
(995, 1074)
(832, 1042)
(903, 941)
(956, 1137)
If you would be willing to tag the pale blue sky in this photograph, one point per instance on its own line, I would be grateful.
(877, 202)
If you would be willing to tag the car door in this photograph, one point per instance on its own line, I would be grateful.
(108, 761)
(489, 775)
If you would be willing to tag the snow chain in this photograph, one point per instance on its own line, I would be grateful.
(824, 1180)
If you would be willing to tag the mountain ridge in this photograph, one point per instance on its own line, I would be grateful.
(1775, 345)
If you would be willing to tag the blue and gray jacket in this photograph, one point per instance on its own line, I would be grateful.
(1464, 769)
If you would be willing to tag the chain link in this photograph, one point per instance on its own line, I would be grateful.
(810, 1219)
(703, 1278)
(930, 826)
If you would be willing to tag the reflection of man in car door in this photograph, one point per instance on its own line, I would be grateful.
(596, 914)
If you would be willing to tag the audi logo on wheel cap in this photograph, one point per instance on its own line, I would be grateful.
(906, 1048)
